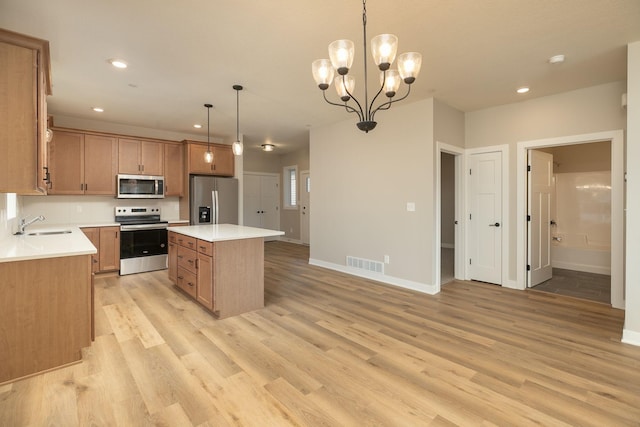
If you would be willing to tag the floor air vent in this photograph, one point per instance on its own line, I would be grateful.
(365, 264)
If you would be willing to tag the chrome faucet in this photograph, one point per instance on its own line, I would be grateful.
(24, 223)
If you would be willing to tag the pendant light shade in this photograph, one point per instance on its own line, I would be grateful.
(208, 156)
(237, 145)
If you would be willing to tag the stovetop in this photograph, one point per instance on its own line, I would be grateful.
(138, 215)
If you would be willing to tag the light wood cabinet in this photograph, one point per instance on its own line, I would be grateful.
(140, 157)
(173, 169)
(107, 242)
(82, 163)
(109, 248)
(226, 277)
(45, 313)
(24, 85)
(223, 161)
(93, 234)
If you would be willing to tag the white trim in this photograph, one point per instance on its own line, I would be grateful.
(277, 175)
(630, 337)
(301, 188)
(458, 245)
(581, 267)
(288, 240)
(504, 150)
(389, 280)
(617, 204)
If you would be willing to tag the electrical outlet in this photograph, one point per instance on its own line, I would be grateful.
(411, 207)
(386, 259)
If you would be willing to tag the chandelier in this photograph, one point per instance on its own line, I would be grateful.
(383, 49)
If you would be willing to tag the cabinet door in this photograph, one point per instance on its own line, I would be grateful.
(93, 234)
(152, 158)
(197, 165)
(204, 290)
(128, 156)
(223, 161)
(173, 170)
(66, 163)
(109, 248)
(18, 140)
(100, 154)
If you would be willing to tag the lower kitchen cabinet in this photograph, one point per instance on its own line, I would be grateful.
(107, 242)
(45, 314)
(205, 290)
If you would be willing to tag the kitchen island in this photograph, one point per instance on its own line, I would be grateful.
(221, 266)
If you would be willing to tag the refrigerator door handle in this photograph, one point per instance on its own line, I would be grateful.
(217, 206)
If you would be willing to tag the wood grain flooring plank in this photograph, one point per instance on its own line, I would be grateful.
(128, 321)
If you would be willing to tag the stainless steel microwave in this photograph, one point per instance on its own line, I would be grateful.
(140, 187)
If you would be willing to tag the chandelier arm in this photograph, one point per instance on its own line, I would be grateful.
(372, 112)
(349, 108)
(361, 114)
(387, 104)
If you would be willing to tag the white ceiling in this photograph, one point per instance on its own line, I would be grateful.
(184, 53)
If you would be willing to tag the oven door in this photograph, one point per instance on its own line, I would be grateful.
(143, 248)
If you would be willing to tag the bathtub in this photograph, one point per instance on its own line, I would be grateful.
(575, 252)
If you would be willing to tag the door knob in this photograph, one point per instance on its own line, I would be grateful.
(497, 224)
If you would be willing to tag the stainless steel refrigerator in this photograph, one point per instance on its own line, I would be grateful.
(213, 200)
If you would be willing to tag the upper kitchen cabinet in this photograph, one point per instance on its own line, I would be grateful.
(82, 163)
(173, 169)
(223, 161)
(24, 84)
(140, 157)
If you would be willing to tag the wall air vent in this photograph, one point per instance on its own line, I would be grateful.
(365, 264)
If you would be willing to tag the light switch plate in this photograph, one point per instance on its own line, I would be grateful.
(411, 207)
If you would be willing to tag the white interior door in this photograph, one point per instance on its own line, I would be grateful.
(305, 207)
(540, 190)
(252, 200)
(485, 219)
(270, 203)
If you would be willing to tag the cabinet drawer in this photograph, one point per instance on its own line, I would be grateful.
(187, 281)
(187, 259)
(205, 247)
(172, 237)
(186, 241)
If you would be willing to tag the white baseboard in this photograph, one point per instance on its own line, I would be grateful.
(447, 245)
(390, 280)
(511, 284)
(630, 337)
(288, 240)
(581, 267)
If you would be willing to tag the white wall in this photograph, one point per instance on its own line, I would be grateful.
(583, 111)
(361, 186)
(7, 226)
(631, 332)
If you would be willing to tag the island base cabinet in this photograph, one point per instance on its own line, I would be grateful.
(45, 314)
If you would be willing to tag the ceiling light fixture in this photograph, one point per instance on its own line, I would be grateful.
(208, 156)
(118, 63)
(98, 109)
(237, 145)
(197, 126)
(523, 89)
(384, 47)
(556, 59)
(268, 147)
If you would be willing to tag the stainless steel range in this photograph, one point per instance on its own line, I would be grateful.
(143, 239)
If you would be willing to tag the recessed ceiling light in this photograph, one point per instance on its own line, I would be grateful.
(118, 63)
(197, 126)
(523, 89)
(98, 109)
(556, 59)
(268, 147)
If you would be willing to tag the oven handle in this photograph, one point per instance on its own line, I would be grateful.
(135, 227)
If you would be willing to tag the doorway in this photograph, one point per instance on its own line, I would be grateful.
(615, 139)
(569, 220)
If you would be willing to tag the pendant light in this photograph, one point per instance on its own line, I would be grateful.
(208, 156)
(237, 145)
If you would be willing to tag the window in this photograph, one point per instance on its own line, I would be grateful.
(11, 206)
(290, 187)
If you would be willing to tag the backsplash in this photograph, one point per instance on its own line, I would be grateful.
(90, 209)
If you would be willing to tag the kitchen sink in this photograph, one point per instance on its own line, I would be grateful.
(47, 233)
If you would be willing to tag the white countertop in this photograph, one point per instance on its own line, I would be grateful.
(220, 232)
(26, 247)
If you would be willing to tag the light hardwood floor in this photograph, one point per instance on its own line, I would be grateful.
(330, 349)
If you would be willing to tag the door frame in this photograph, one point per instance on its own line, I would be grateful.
(460, 197)
(616, 137)
(505, 258)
